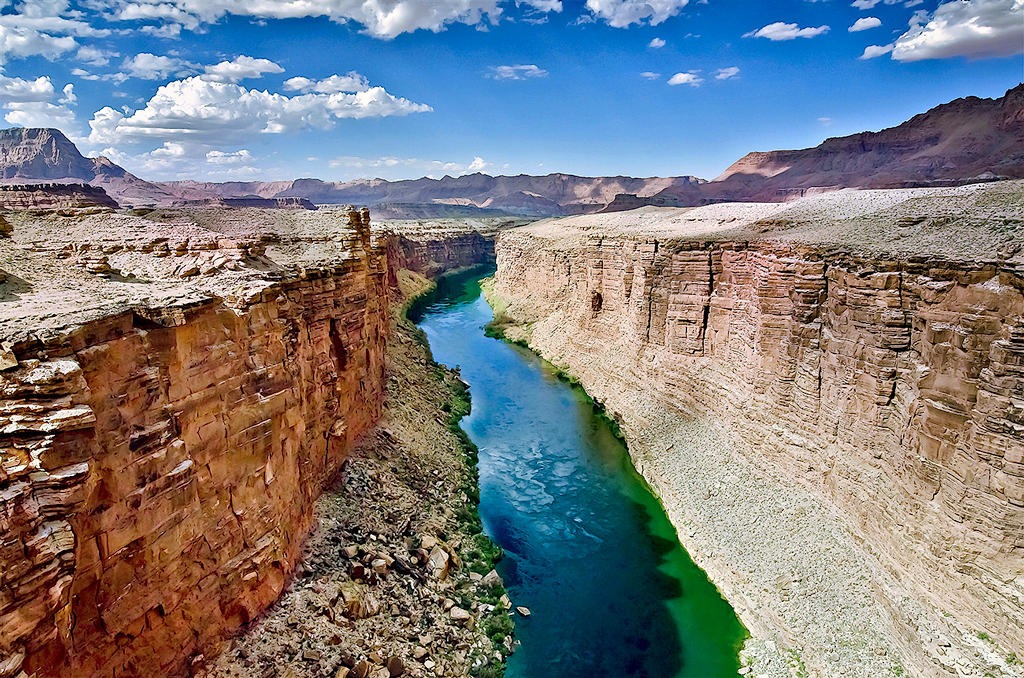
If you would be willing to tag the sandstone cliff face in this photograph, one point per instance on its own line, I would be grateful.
(430, 255)
(160, 466)
(163, 436)
(890, 386)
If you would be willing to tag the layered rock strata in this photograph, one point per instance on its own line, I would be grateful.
(291, 203)
(838, 373)
(160, 467)
(450, 247)
(53, 196)
(163, 438)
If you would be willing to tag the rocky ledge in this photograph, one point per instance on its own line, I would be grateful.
(827, 396)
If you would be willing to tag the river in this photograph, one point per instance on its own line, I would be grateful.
(588, 547)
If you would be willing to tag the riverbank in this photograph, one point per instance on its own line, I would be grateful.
(722, 508)
(588, 547)
(393, 580)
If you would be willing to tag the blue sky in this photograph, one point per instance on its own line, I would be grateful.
(243, 89)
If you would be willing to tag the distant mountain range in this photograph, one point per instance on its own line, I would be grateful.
(550, 194)
(963, 141)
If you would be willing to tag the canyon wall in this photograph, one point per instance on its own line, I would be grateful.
(891, 387)
(160, 453)
(431, 253)
(159, 466)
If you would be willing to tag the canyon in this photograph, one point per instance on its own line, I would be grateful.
(825, 394)
(171, 411)
(208, 396)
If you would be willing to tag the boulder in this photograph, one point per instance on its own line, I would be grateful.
(356, 602)
(439, 563)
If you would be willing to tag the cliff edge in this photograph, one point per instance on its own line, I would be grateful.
(826, 394)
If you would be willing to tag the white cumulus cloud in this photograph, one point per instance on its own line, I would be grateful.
(16, 41)
(184, 159)
(46, 28)
(864, 23)
(783, 31)
(201, 110)
(94, 56)
(170, 149)
(148, 66)
(969, 28)
(656, 43)
(240, 68)
(19, 89)
(350, 82)
(36, 103)
(872, 51)
(690, 78)
(380, 18)
(622, 13)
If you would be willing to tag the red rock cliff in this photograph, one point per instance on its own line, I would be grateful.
(159, 467)
(160, 453)
(432, 253)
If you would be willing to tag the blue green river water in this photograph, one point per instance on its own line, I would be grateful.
(588, 548)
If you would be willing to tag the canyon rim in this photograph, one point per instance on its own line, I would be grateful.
(481, 338)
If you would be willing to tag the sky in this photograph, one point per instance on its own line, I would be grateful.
(219, 90)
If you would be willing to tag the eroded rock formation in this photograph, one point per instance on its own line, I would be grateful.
(163, 438)
(448, 246)
(161, 464)
(53, 196)
(888, 384)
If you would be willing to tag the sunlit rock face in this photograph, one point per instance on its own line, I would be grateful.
(889, 384)
(160, 467)
(163, 436)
